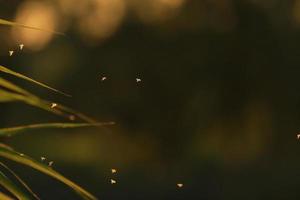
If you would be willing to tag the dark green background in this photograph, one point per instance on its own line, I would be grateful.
(218, 107)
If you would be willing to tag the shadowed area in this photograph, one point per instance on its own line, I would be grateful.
(202, 93)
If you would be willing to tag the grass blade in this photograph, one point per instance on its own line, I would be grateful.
(10, 154)
(10, 86)
(15, 24)
(20, 180)
(20, 94)
(6, 96)
(31, 99)
(5, 197)
(18, 129)
(8, 71)
(12, 188)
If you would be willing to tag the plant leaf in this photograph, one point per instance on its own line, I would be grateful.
(10, 23)
(20, 94)
(6, 96)
(31, 99)
(10, 154)
(4, 196)
(11, 187)
(18, 129)
(10, 86)
(8, 71)
(20, 180)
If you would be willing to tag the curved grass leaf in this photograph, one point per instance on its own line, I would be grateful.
(5, 197)
(6, 96)
(15, 24)
(13, 188)
(18, 129)
(20, 180)
(10, 86)
(75, 113)
(20, 94)
(10, 154)
(8, 71)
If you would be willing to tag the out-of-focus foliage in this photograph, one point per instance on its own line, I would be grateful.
(25, 160)
(11, 92)
(217, 108)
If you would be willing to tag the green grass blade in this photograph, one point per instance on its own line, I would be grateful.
(6, 96)
(31, 99)
(20, 94)
(5, 197)
(15, 24)
(8, 71)
(10, 86)
(10, 154)
(12, 188)
(76, 113)
(19, 129)
(20, 180)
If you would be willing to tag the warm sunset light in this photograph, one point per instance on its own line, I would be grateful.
(37, 14)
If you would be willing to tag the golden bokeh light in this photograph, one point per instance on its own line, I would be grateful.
(296, 12)
(36, 14)
(71, 9)
(102, 20)
(151, 11)
(95, 20)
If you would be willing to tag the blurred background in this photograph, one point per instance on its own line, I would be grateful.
(217, 108)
